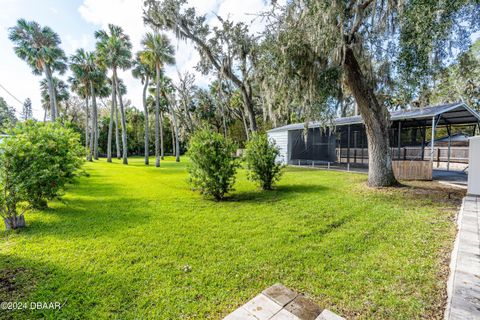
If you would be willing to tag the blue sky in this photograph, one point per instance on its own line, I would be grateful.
(76, 20)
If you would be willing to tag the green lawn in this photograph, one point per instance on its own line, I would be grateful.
(120, 244)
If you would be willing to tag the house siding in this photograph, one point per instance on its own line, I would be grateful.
(281, 140)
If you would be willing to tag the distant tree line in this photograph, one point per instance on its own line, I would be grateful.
(314, 61)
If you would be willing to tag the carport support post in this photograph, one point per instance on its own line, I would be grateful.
(361, 135)
(399, 138)
(432, 145)
(340, 147)
(348, 145)
(424, 133)
(449, 130)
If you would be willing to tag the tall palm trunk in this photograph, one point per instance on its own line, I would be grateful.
(177, 142)
(173, 141)
(145, 109)
(122, 115)
(162, 149)
(95, 145)
(157, 117)
(117, 136)
(87, 117)
(51, 92)
(376, 119)
(94, 135)
(110, 125)
(175, 127)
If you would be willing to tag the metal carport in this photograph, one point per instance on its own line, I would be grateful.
(303, 143)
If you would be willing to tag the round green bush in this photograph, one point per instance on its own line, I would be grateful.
(213, 163)
(37, 160)
(261, 159)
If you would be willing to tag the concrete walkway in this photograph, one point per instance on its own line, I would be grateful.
(281, 303)
(464, 282)
(454, 178)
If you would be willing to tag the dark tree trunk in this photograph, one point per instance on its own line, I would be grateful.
(110, 125)
(162, 148)
(173, 142)
(117, 135)
(157, 118)
(376, 119)
(145, 109)
(94, 134)
(14, 222)
(87, 117)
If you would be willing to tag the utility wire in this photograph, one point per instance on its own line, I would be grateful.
(18, 100)
(10, 94)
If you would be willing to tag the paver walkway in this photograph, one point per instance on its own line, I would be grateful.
(281, 303)
(464, 282)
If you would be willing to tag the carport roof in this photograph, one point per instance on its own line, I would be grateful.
(452, 113)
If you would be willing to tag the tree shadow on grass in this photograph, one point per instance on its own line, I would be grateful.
(88, 218)
(421, 191)
(281, 192)
(28, 280)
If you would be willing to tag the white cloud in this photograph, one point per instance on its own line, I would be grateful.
(205, 6)
(244, 11)
(54, 10)
(125, 13)
(71, 43)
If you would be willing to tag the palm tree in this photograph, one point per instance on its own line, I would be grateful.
(114, 51)
(143, 72)
(103, 90)
(114, 103)
(120, 93)
(60, 90)
(39, 47)
(157, 52)
(91, 76)
(78, 86)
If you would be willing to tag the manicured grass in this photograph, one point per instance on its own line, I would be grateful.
(135, 242)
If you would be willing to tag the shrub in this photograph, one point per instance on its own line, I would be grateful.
(213, 164)
(10, 198)
(260, 156)
(41, 158)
